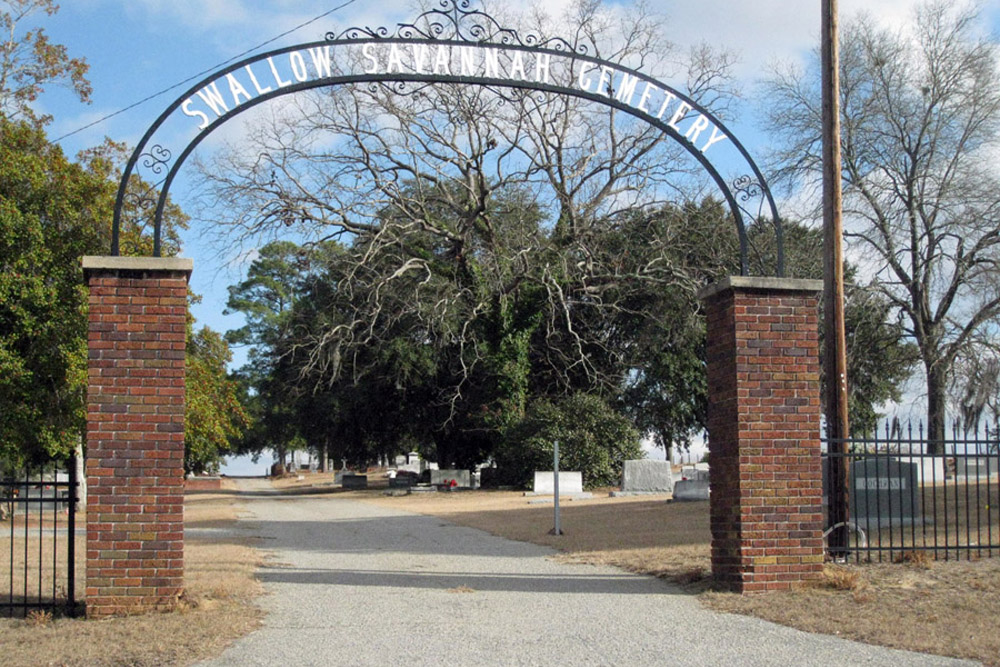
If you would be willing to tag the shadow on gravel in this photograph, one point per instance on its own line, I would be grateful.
(323, 490)
(623, 584)
(406, 534)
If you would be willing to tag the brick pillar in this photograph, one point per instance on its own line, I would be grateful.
(764, 432)
(135, 433)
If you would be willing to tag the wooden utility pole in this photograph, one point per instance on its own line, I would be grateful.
(835, 355)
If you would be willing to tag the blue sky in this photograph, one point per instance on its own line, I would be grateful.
(137, 48)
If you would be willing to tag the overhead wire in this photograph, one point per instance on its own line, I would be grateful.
(203, 72)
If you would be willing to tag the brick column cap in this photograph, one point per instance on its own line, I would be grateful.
(748, 283)
(98, 264)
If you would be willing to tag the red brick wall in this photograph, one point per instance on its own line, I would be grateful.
(764, 432)
(135, 435)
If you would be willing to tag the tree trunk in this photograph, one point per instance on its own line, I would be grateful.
(936, 385)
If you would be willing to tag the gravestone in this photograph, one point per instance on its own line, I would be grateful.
(462, 478)
(691, 489)
(885, 492)
(353, 481)
(410, 467)
(976, 466)
(402, 481)
(570, 483)
(646, 477)
(695, 473)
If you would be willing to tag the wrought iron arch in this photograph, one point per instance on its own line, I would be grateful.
(452, 25)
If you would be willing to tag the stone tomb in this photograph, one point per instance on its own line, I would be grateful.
(646, 477)
(885, 491)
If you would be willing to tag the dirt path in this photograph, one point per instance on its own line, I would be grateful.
(356, 584)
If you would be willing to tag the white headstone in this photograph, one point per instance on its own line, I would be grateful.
(569, 483)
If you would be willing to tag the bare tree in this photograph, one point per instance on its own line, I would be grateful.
(976, 383)
(462, 210)
(921, 112)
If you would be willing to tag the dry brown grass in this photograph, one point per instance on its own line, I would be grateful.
(946, 608)
(216, 609)
(47, 582)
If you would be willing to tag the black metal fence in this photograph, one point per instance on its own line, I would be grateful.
(907, 502)
(38, 540)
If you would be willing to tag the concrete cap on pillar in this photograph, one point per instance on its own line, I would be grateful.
(96, 264)
(760, 283)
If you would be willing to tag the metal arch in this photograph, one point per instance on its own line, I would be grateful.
(731, 197)
(156, 159)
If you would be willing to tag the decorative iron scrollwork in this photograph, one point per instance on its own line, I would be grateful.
(747, 188)
(156, 159)
(404, 88)
(141, 201)
(455, 20)
(748, 191)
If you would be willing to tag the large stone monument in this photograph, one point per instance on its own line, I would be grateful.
(646, 477)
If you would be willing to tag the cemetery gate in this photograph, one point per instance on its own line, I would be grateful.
(762, 366)
(38, 522)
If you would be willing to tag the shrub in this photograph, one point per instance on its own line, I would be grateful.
(593, 438)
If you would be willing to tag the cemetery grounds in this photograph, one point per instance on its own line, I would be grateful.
(947, 608)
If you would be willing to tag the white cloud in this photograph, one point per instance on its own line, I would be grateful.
(201, 15)
(766, 30)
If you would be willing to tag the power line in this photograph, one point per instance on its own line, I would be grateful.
(203, 72)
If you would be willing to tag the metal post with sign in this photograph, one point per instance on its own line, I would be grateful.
(557, 530)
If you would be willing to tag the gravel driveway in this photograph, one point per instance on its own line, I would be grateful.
(355, 584)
